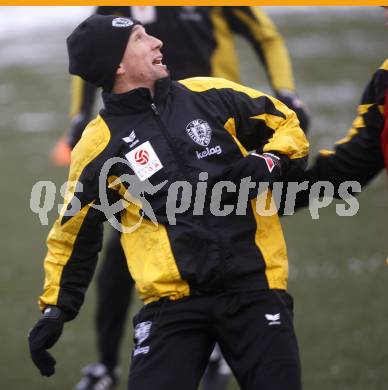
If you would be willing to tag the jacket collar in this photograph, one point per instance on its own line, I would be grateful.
(135, 100)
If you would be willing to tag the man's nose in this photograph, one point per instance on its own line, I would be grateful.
(157, 43)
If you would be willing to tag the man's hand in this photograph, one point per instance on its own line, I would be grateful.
(266, 167)
(44, 335)
(292, 100)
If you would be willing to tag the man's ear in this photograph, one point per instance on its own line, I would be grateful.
(120, 70)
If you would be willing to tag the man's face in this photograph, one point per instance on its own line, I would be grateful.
(142, 59)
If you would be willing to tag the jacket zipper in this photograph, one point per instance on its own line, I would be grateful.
(186, 175)
(178, 158)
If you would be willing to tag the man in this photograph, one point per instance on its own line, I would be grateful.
(198, 42)
(359, 156)
(205, 274)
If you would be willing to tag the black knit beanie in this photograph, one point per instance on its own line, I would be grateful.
(97, 46)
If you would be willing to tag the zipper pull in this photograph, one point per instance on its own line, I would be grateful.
(154, 109)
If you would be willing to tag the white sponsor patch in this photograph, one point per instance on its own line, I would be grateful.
(122, 22)
(199, 131)
(144, 161)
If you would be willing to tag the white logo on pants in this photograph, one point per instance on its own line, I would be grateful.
(273, 319)
(142, 332)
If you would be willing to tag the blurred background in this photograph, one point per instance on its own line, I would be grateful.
(338, 270)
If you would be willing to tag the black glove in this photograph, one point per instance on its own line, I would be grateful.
(44, 335)
(292, 100)
(266, 167)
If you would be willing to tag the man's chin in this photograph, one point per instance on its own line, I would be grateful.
(162, 73)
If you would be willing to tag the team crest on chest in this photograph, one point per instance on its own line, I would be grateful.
(199, 131)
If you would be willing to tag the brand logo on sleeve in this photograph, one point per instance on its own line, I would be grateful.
(269, 159)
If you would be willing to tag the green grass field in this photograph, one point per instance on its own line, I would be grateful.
(338, 274)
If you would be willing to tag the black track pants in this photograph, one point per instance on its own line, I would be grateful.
(174, 339)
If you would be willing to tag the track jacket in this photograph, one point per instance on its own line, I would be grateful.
(358, 156)
(198, 41)
(191, 126)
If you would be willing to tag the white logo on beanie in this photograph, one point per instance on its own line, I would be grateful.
(122, 22)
